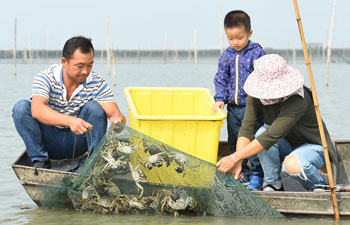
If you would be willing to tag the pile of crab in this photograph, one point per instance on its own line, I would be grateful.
(108, 188)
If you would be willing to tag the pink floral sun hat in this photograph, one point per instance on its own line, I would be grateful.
(272, 78)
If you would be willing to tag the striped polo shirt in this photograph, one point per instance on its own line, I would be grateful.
(49, 84)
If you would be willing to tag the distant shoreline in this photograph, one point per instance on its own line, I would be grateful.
(319, 54)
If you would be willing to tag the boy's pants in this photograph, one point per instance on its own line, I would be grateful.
(310, 156)
(235, 115)
(45, 142)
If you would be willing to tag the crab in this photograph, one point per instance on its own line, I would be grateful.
(112, 189)
(77, 201)
(93, 177)
(91, 200)
(181, 161)
(109, 186)
(175, 201)
(156, 160)
(87, 191)
(126, 203)
(152, 148)
(160, 201)
(111, 144)
(104, 203)
(138, 177)
(179, 201)
(126, 147)
(112, 163)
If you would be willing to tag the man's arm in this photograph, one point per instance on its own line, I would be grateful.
(46, 115)
(112, 111)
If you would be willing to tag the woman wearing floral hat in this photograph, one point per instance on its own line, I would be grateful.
(290, 140)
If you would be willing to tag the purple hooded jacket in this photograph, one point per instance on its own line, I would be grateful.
(233, 69)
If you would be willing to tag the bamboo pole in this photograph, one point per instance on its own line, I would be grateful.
(25, 51)
(189, 54)
(30, 51)
(114, 70)
(138, 55)
(165, 52)
(294, 55)
(318, 113)
(221, 32)
(15, 49)
(195, 48)
(47, 46)
(108, 49)
(330, 41)
(176, 55)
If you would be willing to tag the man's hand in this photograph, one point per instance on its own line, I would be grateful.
(218, 105)
(119, 117)
(79, 126)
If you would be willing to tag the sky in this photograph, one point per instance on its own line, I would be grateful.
(164, 24)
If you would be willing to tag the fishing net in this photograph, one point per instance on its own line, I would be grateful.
(134, 173)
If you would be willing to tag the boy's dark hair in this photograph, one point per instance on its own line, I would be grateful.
(74, 43)
(237, 18)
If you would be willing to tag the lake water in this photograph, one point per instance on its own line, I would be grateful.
(17, 208)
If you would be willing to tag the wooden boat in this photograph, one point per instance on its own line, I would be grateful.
(295, 200)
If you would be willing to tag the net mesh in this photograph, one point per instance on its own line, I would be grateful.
(130, 172)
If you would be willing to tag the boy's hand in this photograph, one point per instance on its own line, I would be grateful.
(218, 105)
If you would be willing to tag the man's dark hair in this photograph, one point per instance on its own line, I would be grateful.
(74, 43)
(237, 18)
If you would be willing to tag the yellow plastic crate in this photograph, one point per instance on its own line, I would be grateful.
(179, 117)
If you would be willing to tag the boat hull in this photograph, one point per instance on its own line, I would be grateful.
(297, 201)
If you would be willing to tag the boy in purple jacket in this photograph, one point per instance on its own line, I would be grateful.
(235, 65)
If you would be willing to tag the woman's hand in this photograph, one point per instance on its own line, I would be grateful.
(230, 163)
(236, 170)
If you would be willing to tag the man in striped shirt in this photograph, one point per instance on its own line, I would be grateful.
(69, 107)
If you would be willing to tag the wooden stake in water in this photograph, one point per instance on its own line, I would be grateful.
(165, 52)
(318, 113)
(114, 70)
(25, 51)
(108, 49)
(195, 48)
(294, 56)
(176, 54)
(138, 55)
(30, 52)
(221, 32)
(330, 41)
(287, 52)
(47, 46)
(15, 49)
(189, 53)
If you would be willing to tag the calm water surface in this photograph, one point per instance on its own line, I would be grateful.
(17, 208)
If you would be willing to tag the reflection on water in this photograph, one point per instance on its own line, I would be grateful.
(17, 208)
(41, 216)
